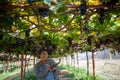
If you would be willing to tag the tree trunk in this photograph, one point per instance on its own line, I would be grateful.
(34, 62)
(93, 62)
(66, 61)
(7, 66)
(110, 56)
(87, 63)
(74, 61)
(77, 61)
(71, 61)
(25, 65)
(22, 66)
(4, 66)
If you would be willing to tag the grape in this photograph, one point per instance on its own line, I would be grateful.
(101, 13)
(113, 2)
(83, 8)
(47, 43)
(30, 42)
(54, 47)
(106, 41)
(20, 42)
(119, 39)
(30, 1)
(49, 51)
(70, 41)
(44, 12)
(110, 3)
(4, 2)
(27, 32)
(3, 11)
(97, 45)
(101, 42)
(1, 36)
(85, 28)
(75, 44)
(9, 19)
(36, 49)
(50, 47)
(101, 20)
(89, 40)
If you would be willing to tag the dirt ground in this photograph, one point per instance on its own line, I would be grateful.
(108, 69)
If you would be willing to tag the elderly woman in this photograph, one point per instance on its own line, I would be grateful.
(44, 69)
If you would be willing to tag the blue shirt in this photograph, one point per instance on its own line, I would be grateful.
(41, 73)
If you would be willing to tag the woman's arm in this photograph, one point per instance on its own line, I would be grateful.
(53, 65)
(40, 73)
(62, 72)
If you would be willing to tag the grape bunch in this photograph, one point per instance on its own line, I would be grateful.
(47, 42)
(97, 44)
(110, 3)
(101, 13)
(49, 46)
(85, 28)
(30, 1)
(89, 40)
(83, 8)
(27, 32)
(4, 2)
(20, 42)
(44, 12)
(70, 41)
(67, 48)
(1, 36)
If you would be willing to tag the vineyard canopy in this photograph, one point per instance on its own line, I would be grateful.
(62, 27)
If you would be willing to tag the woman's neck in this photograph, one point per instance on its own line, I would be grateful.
(44, 61)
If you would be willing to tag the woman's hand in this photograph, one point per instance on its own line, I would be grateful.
(48, 69)
(53, 68)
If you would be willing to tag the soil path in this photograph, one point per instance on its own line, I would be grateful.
(69, 76)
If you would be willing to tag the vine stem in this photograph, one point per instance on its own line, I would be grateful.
(25, 6)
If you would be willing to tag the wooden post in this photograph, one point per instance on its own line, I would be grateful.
(34, 62)
(110, 56)
(74, 62)
(77, 60)
(87, 63)
(93, 62)
(66, 61)
(22, 71)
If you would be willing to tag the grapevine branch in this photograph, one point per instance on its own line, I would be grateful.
(46, 6)
(67, 24)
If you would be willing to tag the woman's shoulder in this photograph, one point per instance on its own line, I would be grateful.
(37, 63)
(50, 59)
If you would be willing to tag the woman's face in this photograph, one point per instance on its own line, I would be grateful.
(44, 55)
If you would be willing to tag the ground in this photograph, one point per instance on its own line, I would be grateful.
(109, 69)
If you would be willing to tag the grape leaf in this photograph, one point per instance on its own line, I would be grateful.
(47, 2)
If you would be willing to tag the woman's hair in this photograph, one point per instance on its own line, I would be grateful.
(42, 50)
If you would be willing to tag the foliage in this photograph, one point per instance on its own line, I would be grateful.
(5, 75)
(32, 26)
(80, 73)
(28, 76)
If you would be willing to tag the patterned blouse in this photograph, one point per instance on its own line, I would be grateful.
(41, 74)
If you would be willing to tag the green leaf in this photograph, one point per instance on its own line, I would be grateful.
(61, 8)
(6, 37)
(47, 2)
(13, 41)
